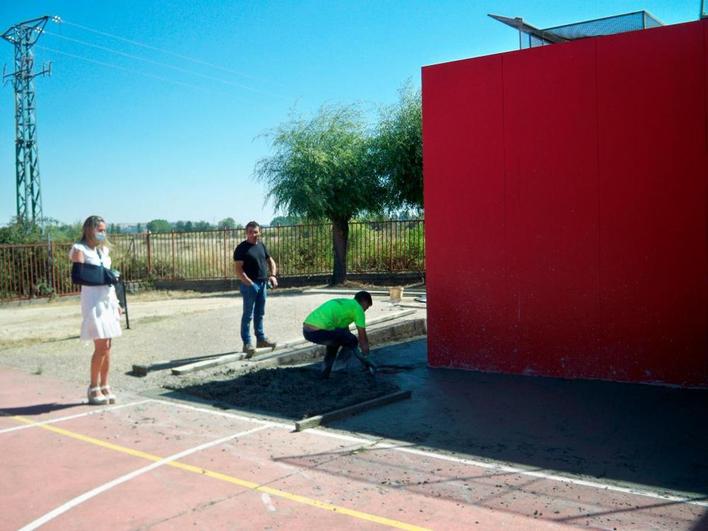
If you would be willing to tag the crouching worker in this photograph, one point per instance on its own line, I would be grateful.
(329, 324)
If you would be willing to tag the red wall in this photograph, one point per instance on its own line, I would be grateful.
(566, 209)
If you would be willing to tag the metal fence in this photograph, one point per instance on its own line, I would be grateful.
(44, 269)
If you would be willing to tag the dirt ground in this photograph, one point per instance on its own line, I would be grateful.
(42, 337)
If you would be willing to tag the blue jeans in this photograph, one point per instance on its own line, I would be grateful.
(254, 300)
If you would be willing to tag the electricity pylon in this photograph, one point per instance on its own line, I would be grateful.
(29, 192)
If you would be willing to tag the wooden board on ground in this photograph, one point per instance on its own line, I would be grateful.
(142, 369)
(318, 420)
(215, 362)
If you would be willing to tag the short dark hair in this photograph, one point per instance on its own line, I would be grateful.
(363, 296)
(252, 225)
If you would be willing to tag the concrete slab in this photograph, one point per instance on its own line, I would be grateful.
(625, 433)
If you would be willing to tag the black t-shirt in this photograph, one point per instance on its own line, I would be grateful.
(253, 256)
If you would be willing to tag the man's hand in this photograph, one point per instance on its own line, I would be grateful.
(273, 281)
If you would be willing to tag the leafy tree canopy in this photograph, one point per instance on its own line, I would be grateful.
(227, 223)
(285, 220)
(398, 151)
(159, 225)
(320, 167)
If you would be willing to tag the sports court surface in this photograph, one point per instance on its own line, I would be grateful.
(157, 462)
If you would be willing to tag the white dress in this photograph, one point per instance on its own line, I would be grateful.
(99, 304)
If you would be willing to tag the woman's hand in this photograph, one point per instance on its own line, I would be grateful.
(77, 256)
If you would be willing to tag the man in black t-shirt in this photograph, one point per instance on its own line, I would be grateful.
(256, 269)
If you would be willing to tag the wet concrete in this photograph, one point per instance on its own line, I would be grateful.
(649, 436)
(288, 392)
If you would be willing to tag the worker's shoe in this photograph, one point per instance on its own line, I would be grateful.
(327, 363)
(249, 350)
(264, 343)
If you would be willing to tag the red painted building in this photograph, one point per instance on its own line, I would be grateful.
(566, 209)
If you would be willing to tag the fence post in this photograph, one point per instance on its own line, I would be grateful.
(174, 272)
(149, 253)
(390, 246)
(226, 255)
(51, 270)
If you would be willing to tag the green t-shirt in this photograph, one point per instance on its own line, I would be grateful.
(337, 313)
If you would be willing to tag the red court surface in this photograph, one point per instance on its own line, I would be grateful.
(153, 463)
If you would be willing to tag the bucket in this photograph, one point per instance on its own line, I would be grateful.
(395, 294)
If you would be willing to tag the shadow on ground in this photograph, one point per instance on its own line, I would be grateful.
(649, 435)
(38, 409)
(646, 435)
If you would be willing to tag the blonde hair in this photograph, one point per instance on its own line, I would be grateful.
(87, 231)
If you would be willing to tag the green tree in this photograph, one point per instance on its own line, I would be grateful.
(279, 221)
(398, 151)
(321, 170)
(202, 225)
(227, 223)
(20, 231)
(159, 225)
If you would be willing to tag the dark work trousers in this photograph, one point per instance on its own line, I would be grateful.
(333, 340)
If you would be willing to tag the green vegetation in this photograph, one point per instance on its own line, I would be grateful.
(18, 231)
(321, 170)
(42, 269)
(331, 167)
(398, 151)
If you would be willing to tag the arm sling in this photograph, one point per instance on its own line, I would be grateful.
(92, 275)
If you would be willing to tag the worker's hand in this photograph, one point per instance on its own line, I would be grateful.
(273, 281)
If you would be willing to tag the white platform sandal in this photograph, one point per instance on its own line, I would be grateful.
(95, 397)
(108, 394)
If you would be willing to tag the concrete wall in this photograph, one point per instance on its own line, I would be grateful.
(565, 199)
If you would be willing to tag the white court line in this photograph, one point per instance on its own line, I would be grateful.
(127, 477)
(461, 460)
(69, 417)
(245, 418)
(544, 475)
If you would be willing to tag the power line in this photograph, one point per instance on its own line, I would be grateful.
(158, 63)
(130, 70)
(162, 50)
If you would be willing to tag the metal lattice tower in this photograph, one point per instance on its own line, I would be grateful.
(29, 193)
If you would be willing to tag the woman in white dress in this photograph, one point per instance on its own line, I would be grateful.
(100, 311)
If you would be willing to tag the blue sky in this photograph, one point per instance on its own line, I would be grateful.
(173, 127)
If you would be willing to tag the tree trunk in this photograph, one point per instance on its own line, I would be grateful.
(340, 242)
